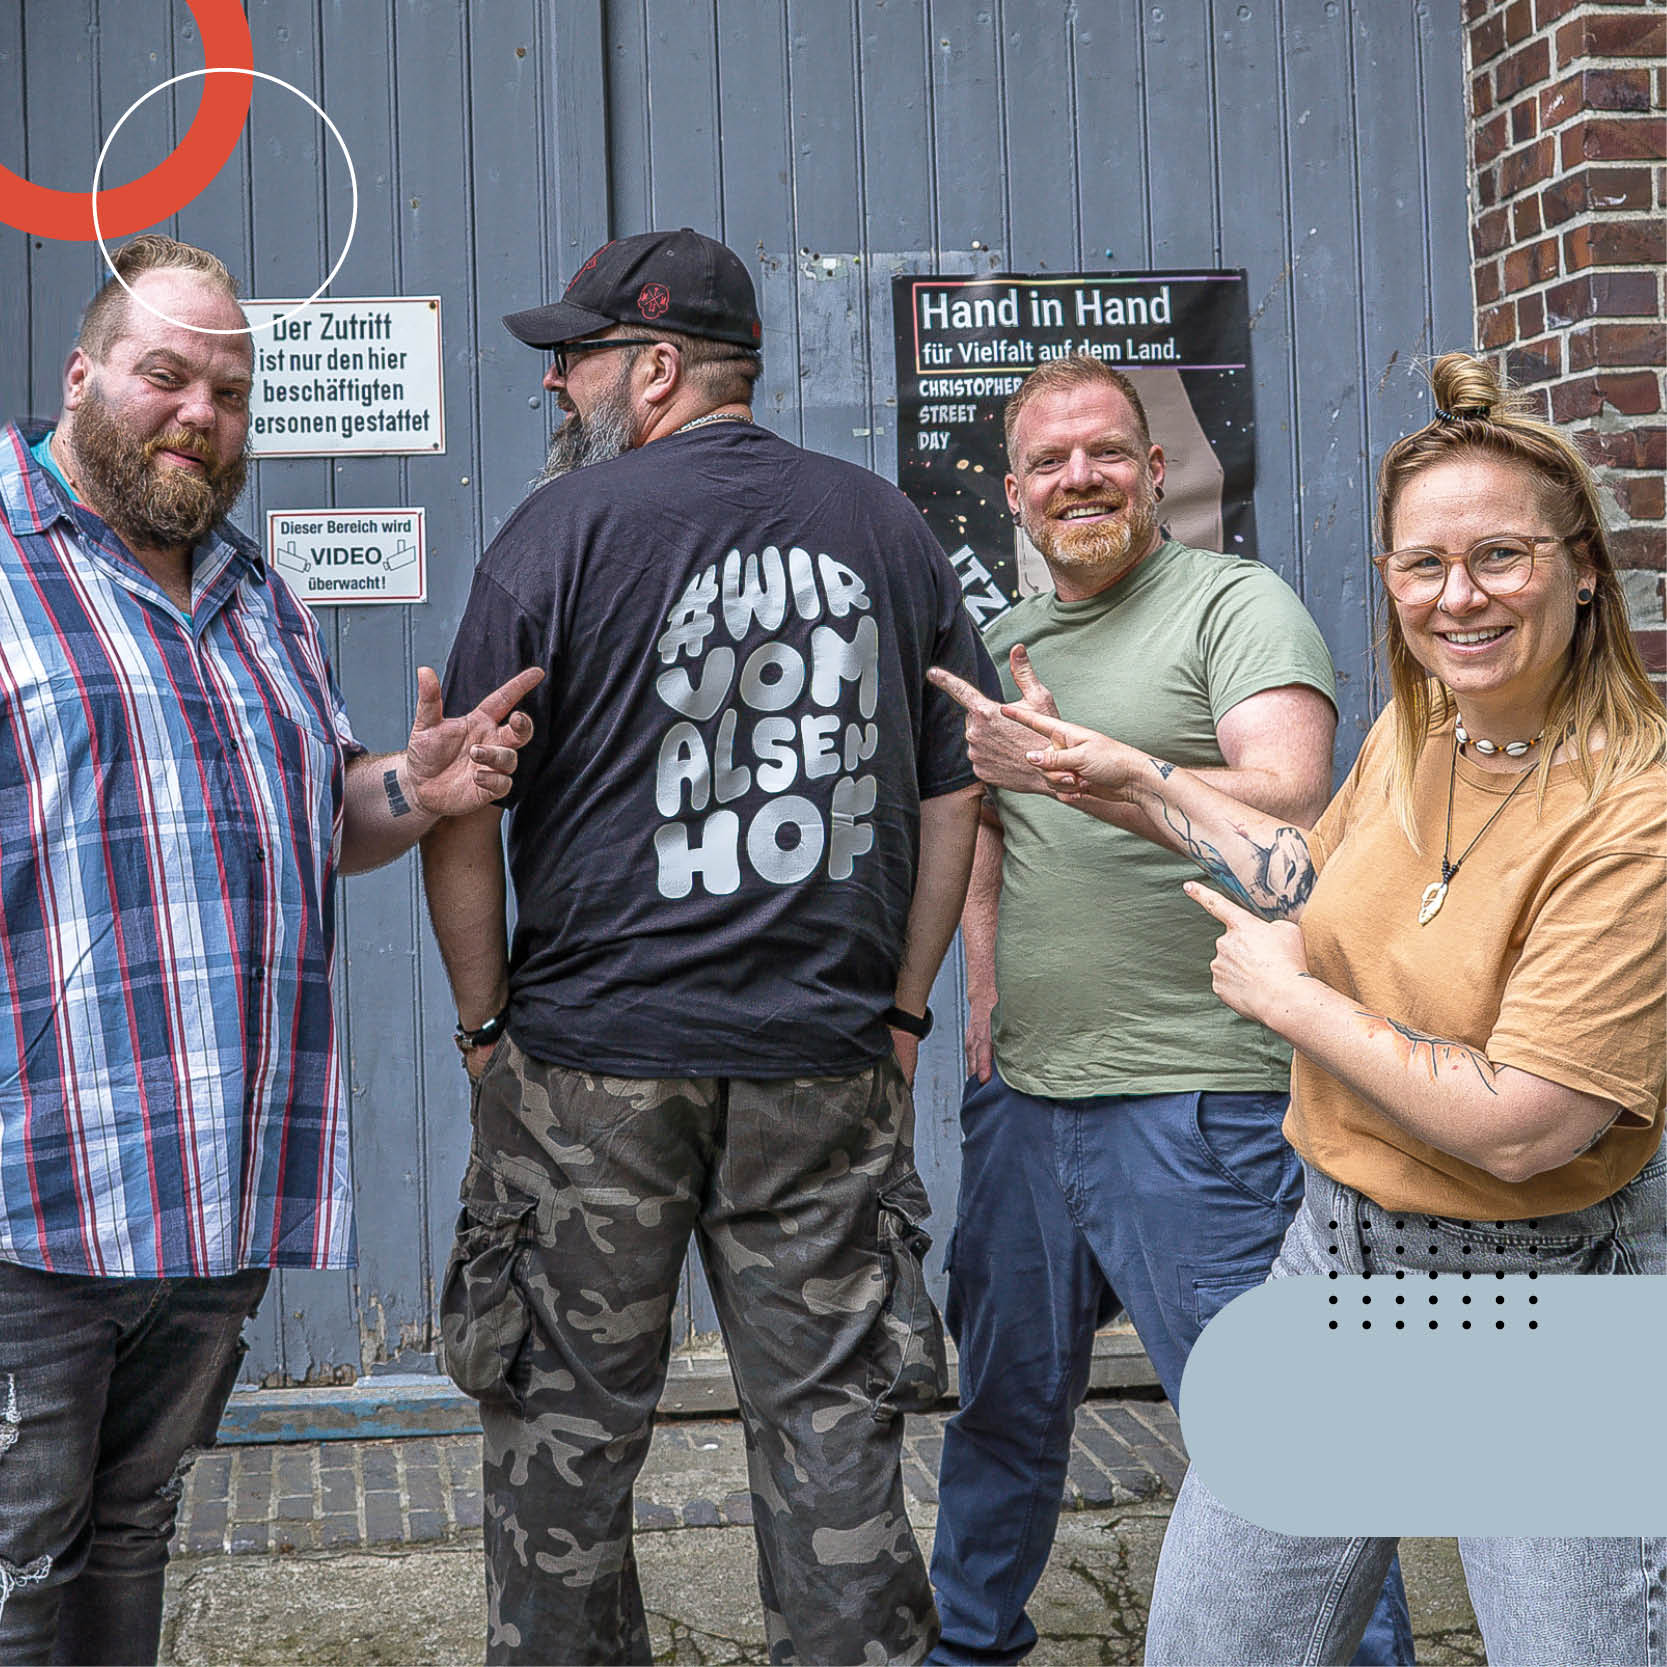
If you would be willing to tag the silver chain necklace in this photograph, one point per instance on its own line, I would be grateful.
(712, 417)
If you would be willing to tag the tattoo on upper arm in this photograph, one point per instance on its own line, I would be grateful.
(1281, 871)
(1436, 1051)
(397, 802)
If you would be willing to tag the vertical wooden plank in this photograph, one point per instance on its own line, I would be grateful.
(15, 296)
(289, 255)
(1113, 188)
(1037, 49)
(1180, 107)
(135, 52)
(577, 160)
(1330, 425)
(630, 168)
(972, 179)
(758, 199)
(1256, 234)
(827, 204)
(62, 70)
(433, 66)
(685, 164)
(1443, 110)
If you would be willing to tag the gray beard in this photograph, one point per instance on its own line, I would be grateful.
(609, 430)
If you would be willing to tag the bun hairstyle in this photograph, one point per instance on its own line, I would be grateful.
(1604, 703)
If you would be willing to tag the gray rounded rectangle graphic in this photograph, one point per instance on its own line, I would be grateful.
(1437, 1405)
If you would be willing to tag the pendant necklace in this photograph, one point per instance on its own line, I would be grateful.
(1435, 893)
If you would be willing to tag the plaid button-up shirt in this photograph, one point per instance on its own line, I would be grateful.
(170, 811)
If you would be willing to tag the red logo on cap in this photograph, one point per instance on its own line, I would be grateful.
(653, 300)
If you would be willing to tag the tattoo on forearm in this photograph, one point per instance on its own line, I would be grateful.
(397, 802)
(1282, 871)
(1163, 767)
(1436, 1051)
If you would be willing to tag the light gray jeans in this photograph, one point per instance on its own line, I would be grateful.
(1229, 1592)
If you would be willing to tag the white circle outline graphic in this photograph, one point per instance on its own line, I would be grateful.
(352, 178)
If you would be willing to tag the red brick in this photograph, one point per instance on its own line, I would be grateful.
(1602, 190)
(1642, 34)
(1615, 243)
(1628, 344)
(1637, 547)
(1498, 325)
(1532, 265)
(1487, 39)
(1576, 398)
(1643, 497)
(1531, 314)
(1614, 138)
(1636, 393)
(1489, 286)
(1490, 138)
(1611, 88)
(1652, 648)
(1523, 68)
(1635, 447)
(1527, 166)
(1491, 232)
(1525, 219)
(1487, 186)
(1523, 124)
(1519, 21)
(1602, 295)
(1548, 11)
(1481, 93)
(1537, 361)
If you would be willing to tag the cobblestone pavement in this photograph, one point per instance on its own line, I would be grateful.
(339, 1495)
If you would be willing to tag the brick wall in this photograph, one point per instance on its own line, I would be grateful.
(1568, 238)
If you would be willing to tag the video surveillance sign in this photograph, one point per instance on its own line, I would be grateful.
(335, 556)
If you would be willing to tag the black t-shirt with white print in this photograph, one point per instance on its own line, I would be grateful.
(713, 831)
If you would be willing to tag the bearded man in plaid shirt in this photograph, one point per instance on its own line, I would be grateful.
(179, 786)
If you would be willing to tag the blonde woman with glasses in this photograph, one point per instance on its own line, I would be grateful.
(1467, 956)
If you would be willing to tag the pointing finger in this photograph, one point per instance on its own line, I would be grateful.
(507, 696)
(958, 689)
(1213, 903)
(1034, 690)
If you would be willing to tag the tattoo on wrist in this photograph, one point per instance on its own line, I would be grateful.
(1436, 1051)
(398, 805)
(1281, 871)
(1163, 767)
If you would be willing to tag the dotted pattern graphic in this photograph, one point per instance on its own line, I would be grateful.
(1412, 1228)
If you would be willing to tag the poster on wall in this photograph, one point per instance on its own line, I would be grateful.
(349, 378)
(964, 344)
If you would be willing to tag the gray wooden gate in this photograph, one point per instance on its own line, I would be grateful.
(1317, 143)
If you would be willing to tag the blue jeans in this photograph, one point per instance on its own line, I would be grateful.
(1231, 1592)
(1172, 1204)
(105, 1386)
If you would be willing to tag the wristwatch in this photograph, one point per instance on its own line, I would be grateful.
(468, 1040)
(918, 1025)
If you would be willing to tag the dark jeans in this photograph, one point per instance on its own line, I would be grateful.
(1173, 1204)
(578, 1204)
(106, 1385)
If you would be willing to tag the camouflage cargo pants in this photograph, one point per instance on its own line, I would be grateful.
(578, 1203)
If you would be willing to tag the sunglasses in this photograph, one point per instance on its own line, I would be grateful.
(562, 354)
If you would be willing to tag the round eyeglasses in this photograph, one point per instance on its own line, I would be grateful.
(1499, 566)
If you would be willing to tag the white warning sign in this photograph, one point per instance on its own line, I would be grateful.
(346, 378)
(350, 555)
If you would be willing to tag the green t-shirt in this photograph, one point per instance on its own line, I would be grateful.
(1102, 963)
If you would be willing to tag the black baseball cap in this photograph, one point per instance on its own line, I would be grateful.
(678, 281)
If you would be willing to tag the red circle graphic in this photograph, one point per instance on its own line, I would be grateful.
(653, 300)
(180, 176)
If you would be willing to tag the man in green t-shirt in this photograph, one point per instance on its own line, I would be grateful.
(1121, 1127)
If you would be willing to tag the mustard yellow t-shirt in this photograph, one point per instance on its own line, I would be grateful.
(1549, 954)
